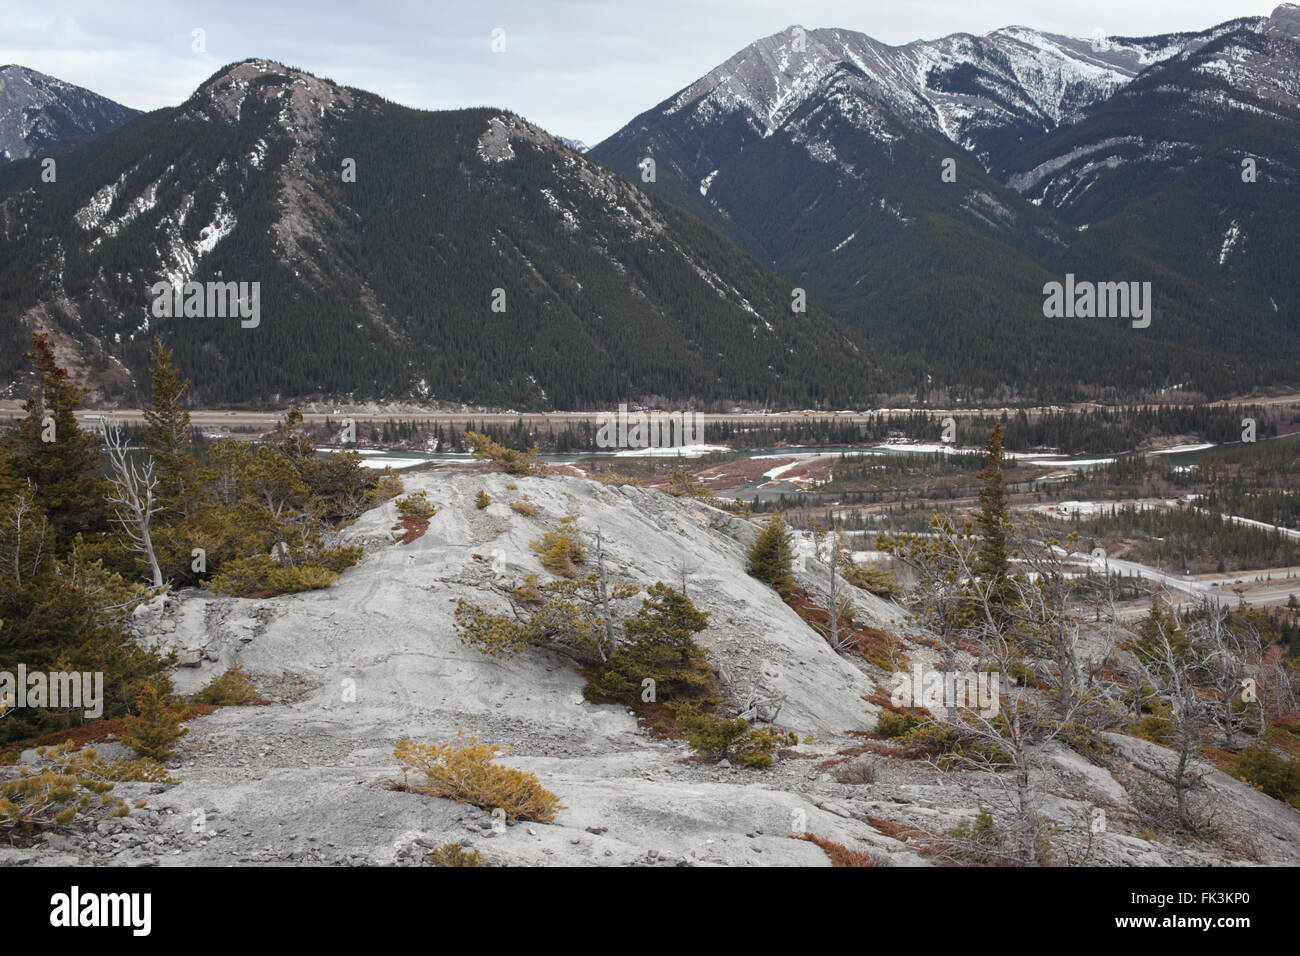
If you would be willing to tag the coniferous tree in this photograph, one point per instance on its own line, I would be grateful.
(51, 452)
(660, 646)
(166, 434)
(67, 614)
(1159, 630)
(157, 728)
(771, 556)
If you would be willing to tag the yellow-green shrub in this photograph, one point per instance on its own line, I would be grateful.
(416, 505)
(464, 771)
(263, 576)
(565, 621)
(386, 487)
(977, 840)
(496, 635)
(54, 793)
(511, 461)
(1158, 730)
(878, 581)
(717, 737)
(155, 729)
(890, 724)
(981, 842)
(682, 483)
(453, 854)
(529, 591)
(335, 559)
(561, 550)
(90, 764)
(234, 688)
(618, 479)
(949, 742)
(1269, 772)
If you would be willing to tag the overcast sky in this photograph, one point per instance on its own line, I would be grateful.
(579, 68)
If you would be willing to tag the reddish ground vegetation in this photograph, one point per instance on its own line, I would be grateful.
(870, 643)
(923, 841)
(839, 854)
(91, 732)
(412, 527)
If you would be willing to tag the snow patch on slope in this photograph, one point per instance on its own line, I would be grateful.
(1230, 240)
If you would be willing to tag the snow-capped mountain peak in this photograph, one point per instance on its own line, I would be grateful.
(38, 111)
(969, 89)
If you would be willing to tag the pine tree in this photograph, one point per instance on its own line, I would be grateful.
(158, 727)
(67, 614)
(166, 434)
(1158, 628)
(52, 453)
(771, 556)
(668, 617)
(660, 646)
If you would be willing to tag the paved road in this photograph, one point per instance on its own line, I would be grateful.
(1189, 590)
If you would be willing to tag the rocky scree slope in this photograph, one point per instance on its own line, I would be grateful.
(304, 779)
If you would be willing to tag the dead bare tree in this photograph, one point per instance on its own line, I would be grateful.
(1050, 614)
(1170, 665)
(23, 535)
(132, 497)
(1004, 746)
(683, 574)
(941, 564)
(839, 604)
(762, 705)
(1036, 623)
(1232, 654)
(606, 615)
(1279, 686)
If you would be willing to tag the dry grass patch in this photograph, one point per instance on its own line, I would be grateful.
(839, 854)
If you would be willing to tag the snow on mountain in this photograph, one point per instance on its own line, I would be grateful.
(38, 111)
(966, 88)
(1244, 66)
(1261, 61)
(772, 78)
